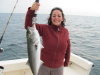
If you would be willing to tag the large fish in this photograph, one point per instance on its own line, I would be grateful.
(33, 49)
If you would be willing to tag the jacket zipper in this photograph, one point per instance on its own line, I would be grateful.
(56, 48)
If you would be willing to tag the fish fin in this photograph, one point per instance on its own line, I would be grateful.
(42, 46)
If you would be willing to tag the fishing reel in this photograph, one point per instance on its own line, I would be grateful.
(1, 70)
(1, 50)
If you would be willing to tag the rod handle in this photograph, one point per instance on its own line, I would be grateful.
(37, 1)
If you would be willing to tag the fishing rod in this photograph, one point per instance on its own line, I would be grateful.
(35, 15)
(1, 49)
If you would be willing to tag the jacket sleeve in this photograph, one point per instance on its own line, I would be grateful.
(67, 54)
(40, 28)
(28, 19)
(28, 22)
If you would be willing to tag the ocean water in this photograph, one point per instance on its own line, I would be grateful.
(84, 34)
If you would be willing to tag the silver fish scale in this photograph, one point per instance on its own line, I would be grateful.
(33, 49)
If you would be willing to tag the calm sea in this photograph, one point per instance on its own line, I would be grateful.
(84, 34)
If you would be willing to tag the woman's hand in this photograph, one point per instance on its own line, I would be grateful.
(35, 6)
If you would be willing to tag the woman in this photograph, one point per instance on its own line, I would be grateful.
(55, 40)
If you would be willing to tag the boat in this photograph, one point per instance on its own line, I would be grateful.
(77, 66)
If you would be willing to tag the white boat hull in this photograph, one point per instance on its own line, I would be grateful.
(77, 66)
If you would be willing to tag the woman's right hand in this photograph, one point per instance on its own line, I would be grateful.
(35, 6)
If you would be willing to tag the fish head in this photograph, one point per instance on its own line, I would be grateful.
(35, 35)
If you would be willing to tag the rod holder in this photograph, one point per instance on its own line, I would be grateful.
(1, 70)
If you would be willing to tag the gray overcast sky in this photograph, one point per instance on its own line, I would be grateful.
(70, 7)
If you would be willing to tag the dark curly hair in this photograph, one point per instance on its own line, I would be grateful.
(49, 19)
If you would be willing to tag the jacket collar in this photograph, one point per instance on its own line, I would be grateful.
(56, 28)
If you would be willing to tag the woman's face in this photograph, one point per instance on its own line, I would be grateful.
(56, 17)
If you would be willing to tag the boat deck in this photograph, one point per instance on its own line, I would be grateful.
(77, 66)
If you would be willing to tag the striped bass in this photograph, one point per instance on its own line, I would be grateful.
(33, 49)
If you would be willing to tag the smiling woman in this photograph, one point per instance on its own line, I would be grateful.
(56, 16)
(55, 38)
